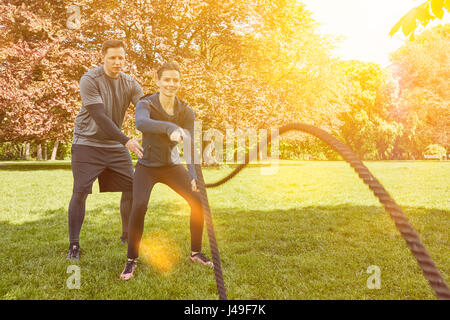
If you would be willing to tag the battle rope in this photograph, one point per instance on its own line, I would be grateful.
(411, 237)
(211, 235)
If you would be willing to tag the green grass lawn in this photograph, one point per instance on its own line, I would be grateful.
(308, 232)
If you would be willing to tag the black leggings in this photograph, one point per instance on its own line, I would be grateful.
(77, 210)
(177, 178)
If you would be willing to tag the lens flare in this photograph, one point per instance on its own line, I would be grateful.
(160, 251)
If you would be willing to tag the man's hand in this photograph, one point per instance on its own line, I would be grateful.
(177, 135)
(134, 146)
(194, 186)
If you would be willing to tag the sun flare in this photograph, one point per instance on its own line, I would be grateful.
(160, 251)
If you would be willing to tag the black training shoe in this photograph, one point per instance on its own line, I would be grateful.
(74, 253)
(128, 271)
(201, 258)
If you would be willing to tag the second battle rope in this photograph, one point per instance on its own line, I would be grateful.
(411, 237)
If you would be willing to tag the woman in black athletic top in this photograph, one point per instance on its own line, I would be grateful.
(164, 121)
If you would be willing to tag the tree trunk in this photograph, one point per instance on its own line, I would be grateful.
(39, 151)
(27, 151)
(45, 150)
(18, 149)
(55, 150)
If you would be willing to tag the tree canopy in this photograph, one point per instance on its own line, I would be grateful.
(246, 64)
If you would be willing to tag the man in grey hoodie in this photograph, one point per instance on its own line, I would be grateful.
(99, 149)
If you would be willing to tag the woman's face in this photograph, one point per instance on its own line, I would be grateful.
(169, 83)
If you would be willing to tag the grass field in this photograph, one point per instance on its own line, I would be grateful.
(308, 232)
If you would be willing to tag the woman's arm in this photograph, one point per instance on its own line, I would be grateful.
(147, 125)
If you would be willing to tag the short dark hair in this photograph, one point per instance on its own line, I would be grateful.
(112, 44)
(167, 66)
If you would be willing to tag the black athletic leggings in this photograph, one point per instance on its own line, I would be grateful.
(77, 210)
(177, 178)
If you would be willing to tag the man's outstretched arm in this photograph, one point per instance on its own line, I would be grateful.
(97, 112)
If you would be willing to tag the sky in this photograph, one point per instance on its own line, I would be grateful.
(365, 24)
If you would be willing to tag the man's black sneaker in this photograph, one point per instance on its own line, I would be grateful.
(74, 253)
(201, 258)
(123, 239)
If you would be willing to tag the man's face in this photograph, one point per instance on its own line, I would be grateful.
(114, 60)
(169, 83)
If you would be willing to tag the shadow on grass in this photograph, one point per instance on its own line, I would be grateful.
(233, 225)
(52, 225)
(345, 221)
(35, 167)
(38, 165)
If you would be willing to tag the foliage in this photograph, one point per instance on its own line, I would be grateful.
(40, 68)
(308, 148)
(367, 126)
(420, 15)
(245, 64)
(422, 69)
(10, 151)
(240, 60)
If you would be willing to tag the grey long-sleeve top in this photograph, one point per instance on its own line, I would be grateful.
(157, 125)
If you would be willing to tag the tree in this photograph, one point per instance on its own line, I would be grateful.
(368, 127)
(422, 69)
(40, 70)
(251, 63)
